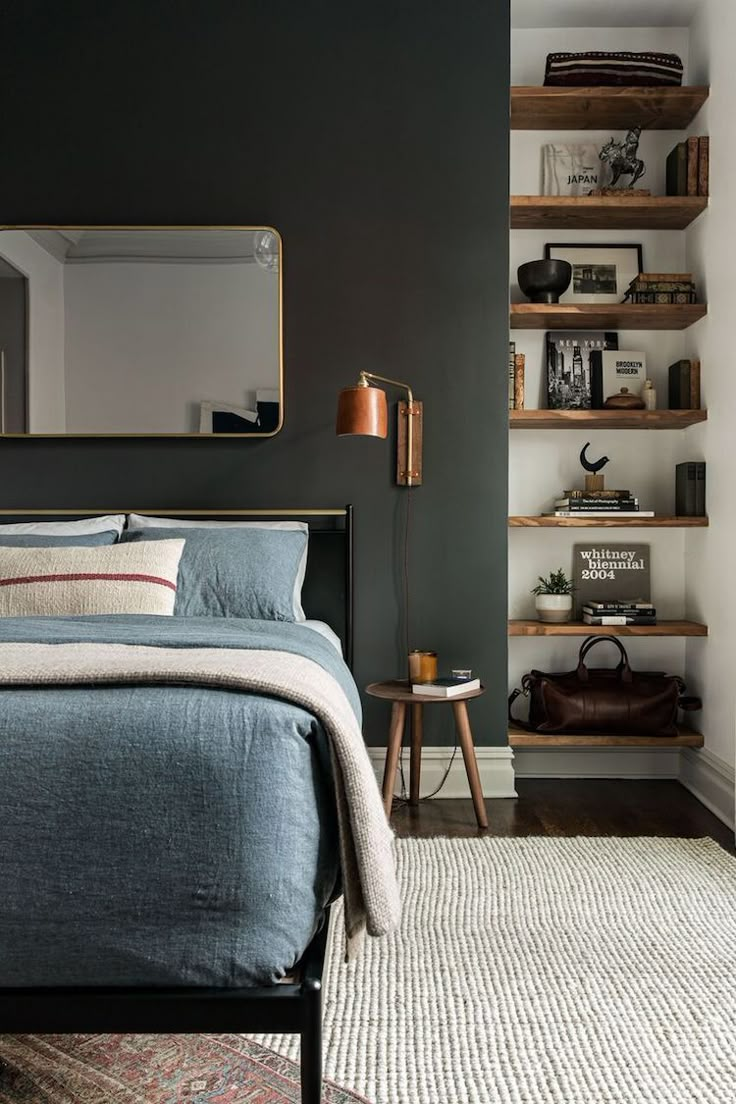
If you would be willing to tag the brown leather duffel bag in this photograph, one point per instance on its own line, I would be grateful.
(614, 700)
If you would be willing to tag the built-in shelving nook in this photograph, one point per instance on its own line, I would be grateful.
(543, 463)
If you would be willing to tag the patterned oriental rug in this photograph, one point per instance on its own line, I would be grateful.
(544, 971)
(149, 1069)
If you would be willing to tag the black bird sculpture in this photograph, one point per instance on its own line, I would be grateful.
(593, 466)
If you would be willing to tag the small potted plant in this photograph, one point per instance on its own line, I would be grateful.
(554, 597)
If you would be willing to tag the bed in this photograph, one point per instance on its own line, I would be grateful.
(179, 809)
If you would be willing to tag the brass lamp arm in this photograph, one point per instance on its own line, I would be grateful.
(365, 376)
(410, 473)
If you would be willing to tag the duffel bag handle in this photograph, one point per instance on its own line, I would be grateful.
(525, 689)
(589, 643)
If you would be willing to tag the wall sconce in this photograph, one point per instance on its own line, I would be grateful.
(362, 410)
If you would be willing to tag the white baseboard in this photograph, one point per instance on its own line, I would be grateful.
(495, 765)
(706, 776)
(596, 763)
(711, 780)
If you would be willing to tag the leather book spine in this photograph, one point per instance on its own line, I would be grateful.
(695, 385)
(519, 365)
(703, 165)
(685, 489)
(692, 166)
(700, 489)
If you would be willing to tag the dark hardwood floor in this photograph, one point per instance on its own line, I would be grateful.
(572, 807)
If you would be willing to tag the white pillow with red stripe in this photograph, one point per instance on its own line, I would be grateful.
(119, 578)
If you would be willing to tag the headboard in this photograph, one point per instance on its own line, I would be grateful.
(327, 594)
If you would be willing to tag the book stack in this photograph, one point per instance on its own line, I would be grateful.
(688, 168)
(625, 612)
(662, 287)
(683, 392)
(690, 489)
(594, 504)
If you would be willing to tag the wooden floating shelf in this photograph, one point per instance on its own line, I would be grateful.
(578, 628)
(605, 419)
(605, 212)
(537, 521)
(610, 316)
(553, 108)
(518, 738)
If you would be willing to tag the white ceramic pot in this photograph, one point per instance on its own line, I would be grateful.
(554, 607)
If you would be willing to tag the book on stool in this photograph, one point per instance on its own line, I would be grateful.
(446, 687)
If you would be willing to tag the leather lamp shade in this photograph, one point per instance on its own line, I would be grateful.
(363, 411)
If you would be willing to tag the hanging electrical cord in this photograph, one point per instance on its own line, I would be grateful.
(407, 630)
(400, 802)
(403, 799)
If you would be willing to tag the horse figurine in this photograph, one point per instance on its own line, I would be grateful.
(622, 159)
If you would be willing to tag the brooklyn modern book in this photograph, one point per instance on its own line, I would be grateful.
(569, 366)
(611, 371)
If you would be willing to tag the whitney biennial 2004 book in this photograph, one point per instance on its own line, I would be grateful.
(614, 573)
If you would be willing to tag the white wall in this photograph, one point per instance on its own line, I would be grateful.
(146, 343)
(711, 248)
(543, 463)
(46, 400)
(598, 13)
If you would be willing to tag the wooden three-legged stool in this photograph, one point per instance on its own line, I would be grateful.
(400, 694)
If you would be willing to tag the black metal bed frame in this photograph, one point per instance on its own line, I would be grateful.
(293, 1006)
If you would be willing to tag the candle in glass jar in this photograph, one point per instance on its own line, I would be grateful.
(422, 666)
(427, 666)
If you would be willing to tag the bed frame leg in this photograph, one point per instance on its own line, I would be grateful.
(311, 1054)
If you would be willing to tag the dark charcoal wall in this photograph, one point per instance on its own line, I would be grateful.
(374, 136)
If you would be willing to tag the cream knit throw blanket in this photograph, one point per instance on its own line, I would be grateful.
(366, 840)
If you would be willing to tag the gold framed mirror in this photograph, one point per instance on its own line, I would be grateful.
(141, 331)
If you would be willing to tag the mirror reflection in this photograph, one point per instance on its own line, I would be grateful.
(140, 331)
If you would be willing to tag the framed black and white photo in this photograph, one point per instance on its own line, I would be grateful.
(600, 273)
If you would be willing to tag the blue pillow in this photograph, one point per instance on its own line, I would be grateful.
(37, 540)
(234, 572)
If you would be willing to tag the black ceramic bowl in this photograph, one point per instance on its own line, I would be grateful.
(544, 281)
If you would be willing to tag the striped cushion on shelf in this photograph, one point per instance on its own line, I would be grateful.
(597, 68)
(52, 582)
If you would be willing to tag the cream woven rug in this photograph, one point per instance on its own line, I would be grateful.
(544, 971)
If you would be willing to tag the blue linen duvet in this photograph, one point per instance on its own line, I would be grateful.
(162, 835)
